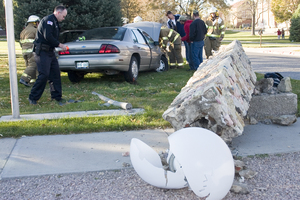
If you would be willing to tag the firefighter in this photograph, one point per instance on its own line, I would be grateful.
(26, 41)
(215, 32)
(169, 35)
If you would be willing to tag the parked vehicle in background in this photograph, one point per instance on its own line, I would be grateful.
(113, 50)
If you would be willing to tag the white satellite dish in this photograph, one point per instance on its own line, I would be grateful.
(197, 158)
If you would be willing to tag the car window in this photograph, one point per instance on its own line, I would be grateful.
(148, 38)
(140, 38)
(111, 33)
(69, 35)
(134, 37)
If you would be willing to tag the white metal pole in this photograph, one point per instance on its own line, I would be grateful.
(10, 35)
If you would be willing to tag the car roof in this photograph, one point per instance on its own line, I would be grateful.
(152, 28)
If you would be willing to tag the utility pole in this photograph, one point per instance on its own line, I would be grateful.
(10, 35)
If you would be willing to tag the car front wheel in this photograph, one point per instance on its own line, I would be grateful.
(75, 77)
(132, 74)
(163, 64)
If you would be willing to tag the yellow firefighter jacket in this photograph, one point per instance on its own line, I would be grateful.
(216, 28)
(27, 37)
(169, 35)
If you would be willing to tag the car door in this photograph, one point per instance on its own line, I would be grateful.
(155, 50)
(142, 48)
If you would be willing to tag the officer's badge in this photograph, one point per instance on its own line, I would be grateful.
(49, 22)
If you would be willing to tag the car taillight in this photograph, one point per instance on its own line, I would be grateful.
(67, 52)
(108, 48)
(64, 52)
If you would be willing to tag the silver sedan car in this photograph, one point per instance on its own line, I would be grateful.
(111, 50)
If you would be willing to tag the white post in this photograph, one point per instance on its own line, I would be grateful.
(10, 35)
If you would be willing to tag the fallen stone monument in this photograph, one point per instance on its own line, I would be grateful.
(217, 96)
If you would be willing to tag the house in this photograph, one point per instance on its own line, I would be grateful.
(241, 15)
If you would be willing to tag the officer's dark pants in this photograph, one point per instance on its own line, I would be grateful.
(48, 69)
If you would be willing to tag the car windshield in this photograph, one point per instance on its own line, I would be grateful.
(110, 33)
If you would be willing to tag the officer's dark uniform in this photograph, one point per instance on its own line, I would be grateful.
(47, 64)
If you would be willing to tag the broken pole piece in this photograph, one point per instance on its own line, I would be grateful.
(124, 105)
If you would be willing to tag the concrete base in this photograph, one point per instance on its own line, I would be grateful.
(269, 106)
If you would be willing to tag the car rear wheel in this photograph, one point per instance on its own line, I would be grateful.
(75, 77)
(163, 65)
(132, 74)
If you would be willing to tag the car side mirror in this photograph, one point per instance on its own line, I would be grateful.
(156, 43)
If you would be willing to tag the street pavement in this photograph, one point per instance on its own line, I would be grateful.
(75, 153)
(286, 51)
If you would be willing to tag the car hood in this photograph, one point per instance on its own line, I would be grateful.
(152, 28)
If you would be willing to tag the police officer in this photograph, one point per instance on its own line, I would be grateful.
(215, 32)
(169, 35)
(47, 64)
(26, 41)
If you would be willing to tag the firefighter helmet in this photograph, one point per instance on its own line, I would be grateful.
(213, 10)
(137, 19)
(33, 18)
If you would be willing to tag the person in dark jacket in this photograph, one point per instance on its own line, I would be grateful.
(174, 24)
(186, 25)
(47, 64)
(198, 31)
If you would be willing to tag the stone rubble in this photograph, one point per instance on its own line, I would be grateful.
(270, 104)
(241, 173)
(247, 173)
(239, 188)
(284, 120)
(285, 85)
(217, 96)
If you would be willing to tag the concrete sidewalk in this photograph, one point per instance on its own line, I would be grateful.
(92, 113)
(58, 154)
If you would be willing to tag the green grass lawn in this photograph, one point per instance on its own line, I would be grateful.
(154, 92)
(253, 41)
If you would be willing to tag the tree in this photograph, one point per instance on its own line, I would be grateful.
(2, 15)
(82, 14)
(187, 6)
(130, 9)
(284, 9)
(295, 26)
(24, 8)
(251, 6)
(87, 14)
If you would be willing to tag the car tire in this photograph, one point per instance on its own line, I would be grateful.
(75, 77)
(132, 74)
(163, 64)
